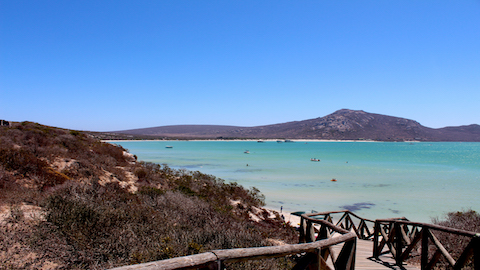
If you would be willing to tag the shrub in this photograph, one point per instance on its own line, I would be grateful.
(26, 163)
(150, 191)
(6, 180)
(75, 132)
(22, 161)
(468, 220)
(141, 173)
(88, 225)
(113, 226)
(106, 149)
(77, 221)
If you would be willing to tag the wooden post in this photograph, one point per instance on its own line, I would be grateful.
(361, 226)
(353, 255)
(219, 265)
(376, 233)
(398, 243)
(476, 251)
(310, 232)
(301, 237)
(322, 262)
(424, 258)
(308, 235)
(322, 233)
(316, 264)
(306, 261)
(346, 258)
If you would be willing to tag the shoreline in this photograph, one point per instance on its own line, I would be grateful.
(295, 220)
(286, 176)
(288, 216)
(252, 140)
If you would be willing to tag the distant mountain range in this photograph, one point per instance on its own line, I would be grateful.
(341, 125)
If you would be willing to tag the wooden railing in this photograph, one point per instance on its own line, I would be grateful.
(402, 237)
(317, 237)
(348, 221)
(313, 254)
(307, 230)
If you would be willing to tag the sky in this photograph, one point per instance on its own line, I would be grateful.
(114, 65)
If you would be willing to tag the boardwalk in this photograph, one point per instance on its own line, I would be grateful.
(348, 244)
(364, 260)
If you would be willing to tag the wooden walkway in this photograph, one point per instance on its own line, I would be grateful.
(364, 259)
(340, 243)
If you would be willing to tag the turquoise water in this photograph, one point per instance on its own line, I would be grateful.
(375, 179)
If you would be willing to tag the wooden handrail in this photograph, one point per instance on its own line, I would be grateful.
(314, 253)
(346, 222)
(201, 260)
(401, 236)
(439, 228)
(337, 212)
(241, 254)
(216, 257)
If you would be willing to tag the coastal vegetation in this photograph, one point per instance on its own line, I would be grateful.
(468, 220)
(70, 201)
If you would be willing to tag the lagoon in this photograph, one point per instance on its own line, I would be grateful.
(417, 180)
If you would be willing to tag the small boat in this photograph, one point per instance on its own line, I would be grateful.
(279, 141)
(333, 180)
(288, 141)
(168, 146)
(260, 141)
(314, 159)
(246, 152)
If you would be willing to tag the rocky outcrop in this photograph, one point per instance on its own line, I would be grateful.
(354, 125)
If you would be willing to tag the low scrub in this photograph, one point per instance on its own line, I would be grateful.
(90, 223)
(465, 220)
(108, 226)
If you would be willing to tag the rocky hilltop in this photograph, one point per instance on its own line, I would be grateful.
(341, 125)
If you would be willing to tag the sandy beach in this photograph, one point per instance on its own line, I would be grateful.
(289, 217)
(240, 140)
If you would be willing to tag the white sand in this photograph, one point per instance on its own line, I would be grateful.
(294, 220)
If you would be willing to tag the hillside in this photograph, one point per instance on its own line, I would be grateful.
(69, 201)
(340, 125)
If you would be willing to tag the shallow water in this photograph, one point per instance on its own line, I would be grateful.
(374, 179)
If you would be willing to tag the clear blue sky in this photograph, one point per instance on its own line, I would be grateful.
(112, 65)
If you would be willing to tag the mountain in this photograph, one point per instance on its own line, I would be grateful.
(341, 125)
